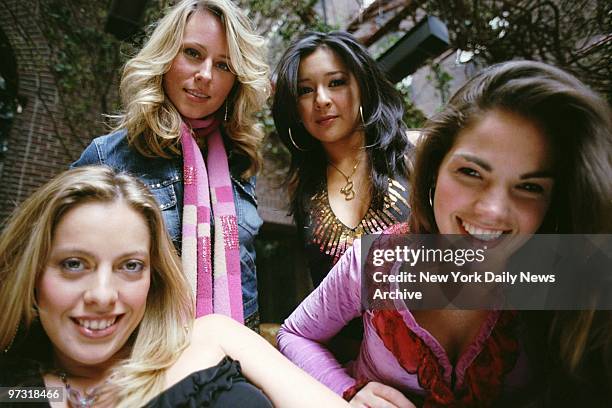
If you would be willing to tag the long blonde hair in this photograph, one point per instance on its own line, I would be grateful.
(152, 121)
(25, 245)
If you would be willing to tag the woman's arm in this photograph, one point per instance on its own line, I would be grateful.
(284, 383)
(334, 303)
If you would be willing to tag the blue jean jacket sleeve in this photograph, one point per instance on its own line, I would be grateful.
(164, 178)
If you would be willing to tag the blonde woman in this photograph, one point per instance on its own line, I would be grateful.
(188, 132)
(102, 309)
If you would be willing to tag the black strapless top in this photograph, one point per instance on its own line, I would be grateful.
(222, 385)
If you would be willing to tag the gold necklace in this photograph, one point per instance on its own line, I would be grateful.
(347, 190)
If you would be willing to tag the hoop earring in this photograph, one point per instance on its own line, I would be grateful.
(225, 117)
(432, 189)
(295, 144)
(363, 125)
(368, 146)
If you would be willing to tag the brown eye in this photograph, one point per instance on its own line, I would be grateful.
(223, 66)
(469, 172)
(303, 90)
(337, 82)
(531, 188)
(191, 52)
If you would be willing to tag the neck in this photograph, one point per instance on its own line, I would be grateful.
(87, 374)
(348, 150)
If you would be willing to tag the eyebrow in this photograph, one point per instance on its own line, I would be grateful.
(326, 74)
(79, 252)
(486, 166)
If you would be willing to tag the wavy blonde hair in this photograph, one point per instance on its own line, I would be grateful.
(152, 121)
(25, 246)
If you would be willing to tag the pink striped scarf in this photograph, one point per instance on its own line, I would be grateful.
(214, 273)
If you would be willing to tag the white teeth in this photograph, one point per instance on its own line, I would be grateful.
(97, 324)
(480, 233)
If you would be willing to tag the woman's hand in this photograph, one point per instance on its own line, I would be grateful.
(377, 395)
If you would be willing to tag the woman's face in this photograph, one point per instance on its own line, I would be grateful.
(329, 98)
(93, 289)
(496, 179)
(200, 79)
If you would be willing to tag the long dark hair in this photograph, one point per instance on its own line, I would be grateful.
(574, 346)
(574, 118)
(383, 109)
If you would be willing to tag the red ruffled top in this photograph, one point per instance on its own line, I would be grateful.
(482, 382)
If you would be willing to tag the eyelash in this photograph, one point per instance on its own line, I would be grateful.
(191, 52)
(195, 54)
(82, 265)
(531, 188)
(64, 265)
(304, 90)
(332, 84)
(140, 265)
(467, 171)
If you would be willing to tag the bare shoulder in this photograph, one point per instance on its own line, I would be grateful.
(216, 329)
(204, 349)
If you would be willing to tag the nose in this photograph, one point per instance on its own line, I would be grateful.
(322, 99)
(493, 206)
(204, 72)
(102, 292)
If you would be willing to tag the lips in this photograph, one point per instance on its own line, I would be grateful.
(325, 120)
(96, 327)
(198, 95)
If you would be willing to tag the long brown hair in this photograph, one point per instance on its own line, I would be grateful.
(579, 124)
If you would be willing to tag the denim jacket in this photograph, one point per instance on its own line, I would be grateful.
(164, 177)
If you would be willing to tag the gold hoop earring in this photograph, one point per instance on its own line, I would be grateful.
(295, 144)
(225, 117)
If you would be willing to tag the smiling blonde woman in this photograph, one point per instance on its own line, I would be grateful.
(188, 130)
(94, 302)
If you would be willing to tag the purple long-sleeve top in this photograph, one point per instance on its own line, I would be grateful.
(303, 337)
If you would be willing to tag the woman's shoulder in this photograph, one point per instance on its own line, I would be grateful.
(204, 350)
(114, 150)
(212, 328)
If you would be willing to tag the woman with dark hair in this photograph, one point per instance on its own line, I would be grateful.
(342, 123)
(521, 148)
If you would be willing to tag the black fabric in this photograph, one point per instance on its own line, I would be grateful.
(20, 372)
(220, 386)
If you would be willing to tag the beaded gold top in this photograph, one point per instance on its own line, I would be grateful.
(332, 237)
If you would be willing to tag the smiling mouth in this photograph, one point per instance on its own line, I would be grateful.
(197, 94)
(97, 324)
(482, 234)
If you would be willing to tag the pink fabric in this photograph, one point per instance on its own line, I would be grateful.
(217, 282)
(330, 307)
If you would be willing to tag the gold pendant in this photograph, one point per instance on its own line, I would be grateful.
(348, 191)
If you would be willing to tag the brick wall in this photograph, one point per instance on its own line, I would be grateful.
(39, 144)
